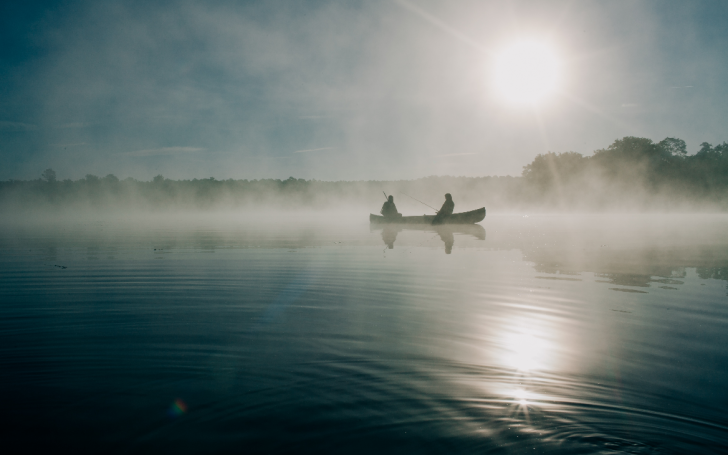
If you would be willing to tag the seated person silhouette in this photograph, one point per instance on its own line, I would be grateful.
(389, 210)
(445, 211)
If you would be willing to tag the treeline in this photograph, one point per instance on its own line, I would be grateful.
(631, 174)
(93, 192)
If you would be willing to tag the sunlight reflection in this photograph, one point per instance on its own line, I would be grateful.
(525, 351)
(521, 406)
(521, 396)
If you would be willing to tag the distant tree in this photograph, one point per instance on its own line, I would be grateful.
(111, 178)
(675, 147)
(49, 175)
(631, 149)
(90, 178)
(706, 150)
(158, 179)
(710, 166)
(722, 149)
(554, 168)
(634, 161)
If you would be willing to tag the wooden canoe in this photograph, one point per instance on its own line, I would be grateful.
(471, 217)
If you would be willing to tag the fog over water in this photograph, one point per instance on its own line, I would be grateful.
(192, 258)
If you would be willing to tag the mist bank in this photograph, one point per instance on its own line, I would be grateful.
(632, 174)
(161, 194)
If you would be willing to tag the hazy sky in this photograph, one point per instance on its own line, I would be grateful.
(344, 90)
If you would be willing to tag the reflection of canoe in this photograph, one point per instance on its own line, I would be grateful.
(471, 217)
(475, 230)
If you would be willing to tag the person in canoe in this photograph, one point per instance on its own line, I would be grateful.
(389, 210)
(445, 211)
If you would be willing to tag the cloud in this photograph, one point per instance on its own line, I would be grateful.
(16, 126)
(313, 150)
(164, 151)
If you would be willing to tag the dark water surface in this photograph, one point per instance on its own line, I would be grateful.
(550, 334)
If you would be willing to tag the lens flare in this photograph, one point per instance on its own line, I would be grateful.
(177, 408)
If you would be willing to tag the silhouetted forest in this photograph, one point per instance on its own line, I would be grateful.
(631, 174)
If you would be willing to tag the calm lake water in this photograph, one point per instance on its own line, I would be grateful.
(541, 334)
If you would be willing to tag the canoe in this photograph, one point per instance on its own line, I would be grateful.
(471, 217)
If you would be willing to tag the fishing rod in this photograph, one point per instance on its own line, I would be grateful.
(385, 195)
(433, 208)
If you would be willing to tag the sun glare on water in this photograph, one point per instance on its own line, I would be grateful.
(526, 352)
(526, 73)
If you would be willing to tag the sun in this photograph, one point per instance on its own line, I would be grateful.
(526, 73)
